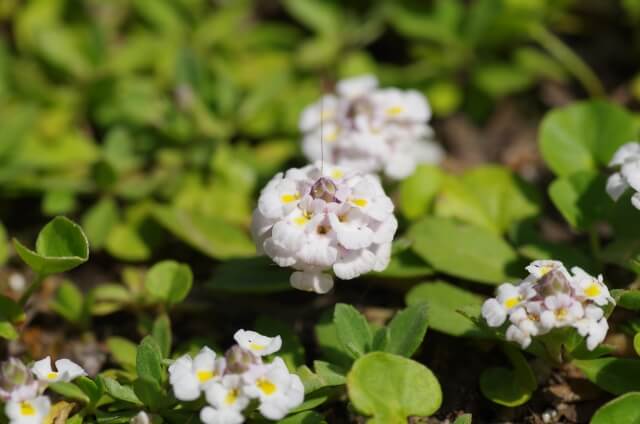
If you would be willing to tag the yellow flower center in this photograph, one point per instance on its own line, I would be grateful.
(593, 290)
(360, 202)
(562, 313)
(27, 410)
(256, 346)
(232, 396)
(512, 302)
(288, 198)
(52, 375)
(337, 173)
(266, 387)
(395, 110)
(204, 376)
(545, 270)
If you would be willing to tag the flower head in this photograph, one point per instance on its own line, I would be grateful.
(627, 162)
(32, 411)
(550, 297)
(227, 400)
(189, 376)
(321, 218)
(65, 371)
(370, 129)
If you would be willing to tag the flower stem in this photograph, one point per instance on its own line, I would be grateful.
(35, 285)
(569, 59)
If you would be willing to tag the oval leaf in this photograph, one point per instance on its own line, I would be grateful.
(169, 281)
(61, 246)
(623, 409)
(392, 388)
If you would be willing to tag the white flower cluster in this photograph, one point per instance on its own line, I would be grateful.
(627, 159)
(316, 219)
(22, 389)
(551, 297)
(231, 382)
(370, 129)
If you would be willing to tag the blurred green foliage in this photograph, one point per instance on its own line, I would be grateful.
(141, 117)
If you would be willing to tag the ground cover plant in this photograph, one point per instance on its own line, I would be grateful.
(313, 211)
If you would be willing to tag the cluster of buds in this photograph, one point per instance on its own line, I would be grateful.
(319, 218)
(627, 161)
(370, 129)
(550, 297)
(22, 388)
(232, 382)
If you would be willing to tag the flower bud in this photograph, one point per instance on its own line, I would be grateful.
(240, 360)
(16, 381)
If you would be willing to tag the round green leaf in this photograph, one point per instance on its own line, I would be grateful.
(584, 136)
(169, 281)
(418, 190)
(509, 387)
(444, 303)
(615, 375)
(623, 409)
(391, 388)
(61, 246)
(463, 250)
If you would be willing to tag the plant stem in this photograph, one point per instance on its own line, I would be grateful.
(35, 285)
(571, 61)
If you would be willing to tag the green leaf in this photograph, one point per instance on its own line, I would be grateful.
(69, 391)
(125, 242)
(69, 302)
(210, 235)
(150, 393)
(161, 331)
(581, 198)
(391, 388)
(405, 264)
(9, 309)
(61, 246)
(584, 136)
(149, 360)
(100, 220)
(8, 331)
(418, 190)
(4, 245)
(629, 299)
(445, 301)
(108, 298)
(463, 419)
(636, 343)
(169, 282)
(352, 329)
(307, 417)
(119, 391)
(615, 375)
(489, 196)
(93, 390)
(123, 351)
(464, 250)
(321, 16)
(509, 387)
(331, 375)
(623, 409)
(250, 275)
(406, 330)
(330, 345)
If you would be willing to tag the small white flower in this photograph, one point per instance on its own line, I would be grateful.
(591, 288)
(32, 411)
(562, 310)
(494, 312)
(370, 129)
(227, 399)
(190, 376)
(278, 390)
(336, 220)
(141, 418)
(256, 343)
(540, 268)
(66, 370)
(627, 159)
(17, 382)
(516, 334)
(593, 326)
